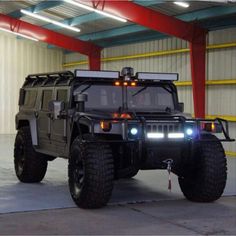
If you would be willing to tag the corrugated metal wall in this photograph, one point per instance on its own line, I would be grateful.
(18, 58)
(221, 65)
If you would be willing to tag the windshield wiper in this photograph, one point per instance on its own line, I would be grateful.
(141, 90)
(86, 88)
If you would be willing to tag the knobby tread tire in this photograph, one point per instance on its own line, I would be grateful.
(35, 165)
(98, 174)
(207, 182)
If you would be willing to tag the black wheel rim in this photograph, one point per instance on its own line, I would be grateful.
(20, 157)
(78, 177)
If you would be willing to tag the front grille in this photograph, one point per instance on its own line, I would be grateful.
(164, 127)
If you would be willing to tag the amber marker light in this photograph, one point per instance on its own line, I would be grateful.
(125, 116)
(117, 83)
(133, 84)
(125, 83)
(105, 126)
(213, 127)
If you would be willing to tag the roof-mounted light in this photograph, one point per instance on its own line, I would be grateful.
(97, 74)
(157, 76)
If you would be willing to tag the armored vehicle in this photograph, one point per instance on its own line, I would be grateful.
(110, 125)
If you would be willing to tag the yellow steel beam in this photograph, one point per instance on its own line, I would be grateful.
(151, 54)
(225, 117)
(230, 154)
(208, 82)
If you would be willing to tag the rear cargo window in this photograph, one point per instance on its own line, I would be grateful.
(47, 97)
(30, 98)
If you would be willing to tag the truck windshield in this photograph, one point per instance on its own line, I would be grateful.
(140, 98)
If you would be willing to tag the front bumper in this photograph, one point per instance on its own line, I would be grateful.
(159, 129)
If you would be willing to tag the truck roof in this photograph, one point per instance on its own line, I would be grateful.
(63, 78)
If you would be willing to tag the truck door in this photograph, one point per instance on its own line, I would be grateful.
(59, 126)
(44, 120)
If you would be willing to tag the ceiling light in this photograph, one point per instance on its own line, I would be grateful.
(19, 34)
(43, 18)
(95, 10)
(182, 4)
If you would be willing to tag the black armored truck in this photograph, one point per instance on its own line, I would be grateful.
(110, 125)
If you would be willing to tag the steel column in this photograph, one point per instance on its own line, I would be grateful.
(198, 71)
(95, 60)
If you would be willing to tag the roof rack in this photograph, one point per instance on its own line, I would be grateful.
(45, 79)
(51, 74)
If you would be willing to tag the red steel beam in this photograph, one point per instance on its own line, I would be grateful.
(198, 71)
(147, 17)
(54, 38)
(168, 25)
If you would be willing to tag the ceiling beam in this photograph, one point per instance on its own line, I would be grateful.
(193, 16)
(214, 24)
(95, 16)
(36, 8)
(48, 36)
(149, 18)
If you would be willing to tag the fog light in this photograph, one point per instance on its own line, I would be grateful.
(189, 131)
(134, 131)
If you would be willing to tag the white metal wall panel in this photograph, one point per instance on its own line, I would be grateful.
(18, 59)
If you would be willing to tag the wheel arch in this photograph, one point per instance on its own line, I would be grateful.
(78, 129)
(33, 128)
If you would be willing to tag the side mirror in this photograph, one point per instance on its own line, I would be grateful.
(56, 107)
(181, 106)
(21, 97)
(80, 99)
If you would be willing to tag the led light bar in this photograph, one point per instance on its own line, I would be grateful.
(19, 34)
(97, 74)
(157, 76)
(95, 10)
(43, 18)
(182, 4)
(176, 135)
(155, 135)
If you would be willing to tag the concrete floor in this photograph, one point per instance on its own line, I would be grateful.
(142, 205)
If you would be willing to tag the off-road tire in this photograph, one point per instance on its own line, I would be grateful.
(95, 162)
(30, 166)
(208, 179)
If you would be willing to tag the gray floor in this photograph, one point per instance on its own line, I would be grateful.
(142, 205)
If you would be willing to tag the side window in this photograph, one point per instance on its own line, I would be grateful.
(47, 97)
(30, 98)
(62, 95)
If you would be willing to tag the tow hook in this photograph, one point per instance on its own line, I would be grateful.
(169, 163)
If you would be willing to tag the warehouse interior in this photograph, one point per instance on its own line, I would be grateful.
(196, 40)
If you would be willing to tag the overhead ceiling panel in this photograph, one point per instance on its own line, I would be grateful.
(171, 9)
(7, 7)
(69, 11)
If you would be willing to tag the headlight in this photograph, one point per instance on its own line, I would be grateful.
(134, 131)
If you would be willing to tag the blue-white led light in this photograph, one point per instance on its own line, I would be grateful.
(189, 131)
(134, 131)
